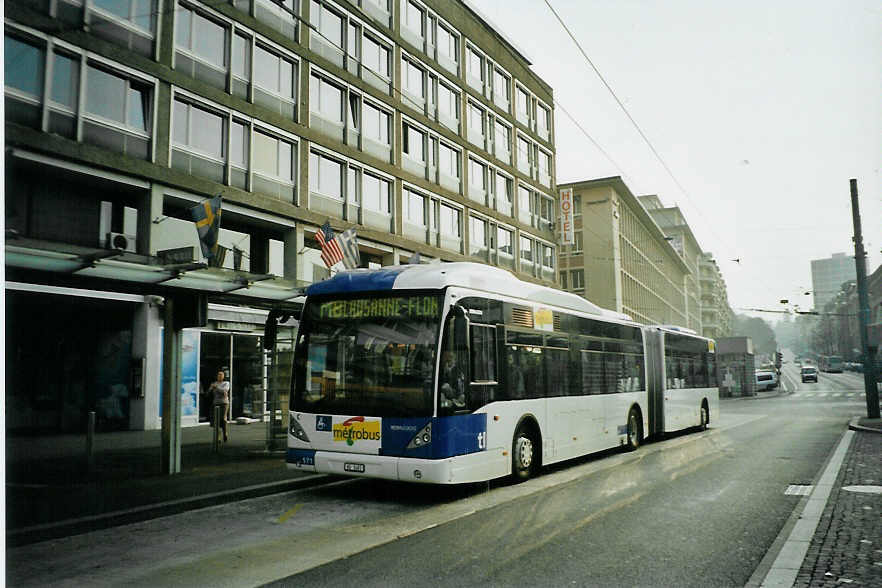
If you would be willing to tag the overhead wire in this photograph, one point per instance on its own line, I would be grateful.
(627, 113)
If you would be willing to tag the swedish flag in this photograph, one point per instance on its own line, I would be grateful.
(207, 216)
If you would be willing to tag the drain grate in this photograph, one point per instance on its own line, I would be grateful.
(798, 490)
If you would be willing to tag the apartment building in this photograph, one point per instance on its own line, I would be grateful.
(716, 314)
(415, 122)
(621, 258)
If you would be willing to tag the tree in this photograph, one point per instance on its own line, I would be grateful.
(758, 330)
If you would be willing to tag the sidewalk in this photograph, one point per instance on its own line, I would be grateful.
(51, 491)
(846, 549)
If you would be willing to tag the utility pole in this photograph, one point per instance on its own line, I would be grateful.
(860, 261)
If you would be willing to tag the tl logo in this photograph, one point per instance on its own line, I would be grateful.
(356, 429)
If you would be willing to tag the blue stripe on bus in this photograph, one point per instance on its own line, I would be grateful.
(453, 435)
(357, 281)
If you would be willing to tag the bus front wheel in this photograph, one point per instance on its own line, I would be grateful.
(523, 454)
(635, 430)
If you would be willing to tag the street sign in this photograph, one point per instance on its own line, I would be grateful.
(177, 255)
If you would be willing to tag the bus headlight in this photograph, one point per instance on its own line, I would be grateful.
(296, 430)
(422, 438)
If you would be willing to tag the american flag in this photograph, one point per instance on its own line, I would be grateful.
(331, 252)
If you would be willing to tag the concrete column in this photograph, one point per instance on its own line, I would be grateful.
(146, 345)
(293, 240)
(170, 454)
(393, 258)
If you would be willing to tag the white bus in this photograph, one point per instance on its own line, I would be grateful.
(460, 372)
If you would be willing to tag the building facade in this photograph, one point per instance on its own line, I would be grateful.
(621, 259)
(828, 275)
(417, 123)
(677, 232)
(716, 314)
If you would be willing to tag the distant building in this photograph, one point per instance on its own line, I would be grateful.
(677, 232)
(716, 315)
(621, 258)
(828, 275)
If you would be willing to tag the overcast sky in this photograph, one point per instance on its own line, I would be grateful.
(762, 110)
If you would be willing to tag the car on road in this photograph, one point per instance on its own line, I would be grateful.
(809, 373)
(766, 379)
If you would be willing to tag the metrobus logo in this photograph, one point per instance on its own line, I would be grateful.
(356, 429)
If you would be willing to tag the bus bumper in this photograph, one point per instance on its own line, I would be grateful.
(460, 469)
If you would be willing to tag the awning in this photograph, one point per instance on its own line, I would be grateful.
(143, 274)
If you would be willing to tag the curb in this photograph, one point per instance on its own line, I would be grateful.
(854, 426)
(66, 528)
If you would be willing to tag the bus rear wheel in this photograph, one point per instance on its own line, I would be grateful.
(635, 430)
(523, 454)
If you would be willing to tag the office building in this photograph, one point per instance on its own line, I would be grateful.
(828, 275)
(416, 123)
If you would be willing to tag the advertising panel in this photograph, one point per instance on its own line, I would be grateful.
(567, 232)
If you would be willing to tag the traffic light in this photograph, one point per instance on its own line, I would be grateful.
(778, 359)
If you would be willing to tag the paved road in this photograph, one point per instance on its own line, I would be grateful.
(698, 509)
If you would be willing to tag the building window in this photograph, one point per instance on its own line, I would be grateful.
(328, 23)
(130, 23)
(543, 121)
(448, 160)
(376, 194)
(577, 242)
(201, 47)
(546, 211)
(414, 143)
(547, 256)
(526, 251)
(281, 15)
(476, 124)
(522, 105)
(325, 176)
(198, 131)
(413, 81)
(117, 112)
(501, 89)
(504, 194)
(326, 99)
(578, 279)
(577, 205)
(475, 69)
(448, 106)
(450, 221)
(563, 280)
(412, 16)
(544, 168)
(477, 237)
(524, 155)
(502, 141)
(376, 124)
(241, 64)
(477, 181)
(375, 57)
(414, 205)
(274, 165)
(525, 204)
(275, 81)
(504, 241)
(448, 48)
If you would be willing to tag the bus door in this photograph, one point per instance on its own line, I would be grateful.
(655, 383)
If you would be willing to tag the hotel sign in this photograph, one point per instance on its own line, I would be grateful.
(567, 236)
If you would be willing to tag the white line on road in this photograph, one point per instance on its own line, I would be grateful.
(792, 554)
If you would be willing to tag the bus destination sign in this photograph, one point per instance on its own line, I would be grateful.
(420, 307)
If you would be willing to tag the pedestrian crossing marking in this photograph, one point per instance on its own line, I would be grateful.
(798, 490)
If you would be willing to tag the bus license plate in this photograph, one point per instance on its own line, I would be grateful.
(354, 467)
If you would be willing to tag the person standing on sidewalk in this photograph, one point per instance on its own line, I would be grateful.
(220, 390)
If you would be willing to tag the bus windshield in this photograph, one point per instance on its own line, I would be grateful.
(371, 356)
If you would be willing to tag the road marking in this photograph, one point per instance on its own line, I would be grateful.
(797, 490)
(289, 514)
(789, 560)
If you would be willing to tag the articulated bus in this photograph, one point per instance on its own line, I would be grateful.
(460, 372)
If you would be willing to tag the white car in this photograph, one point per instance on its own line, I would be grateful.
(766, 380)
